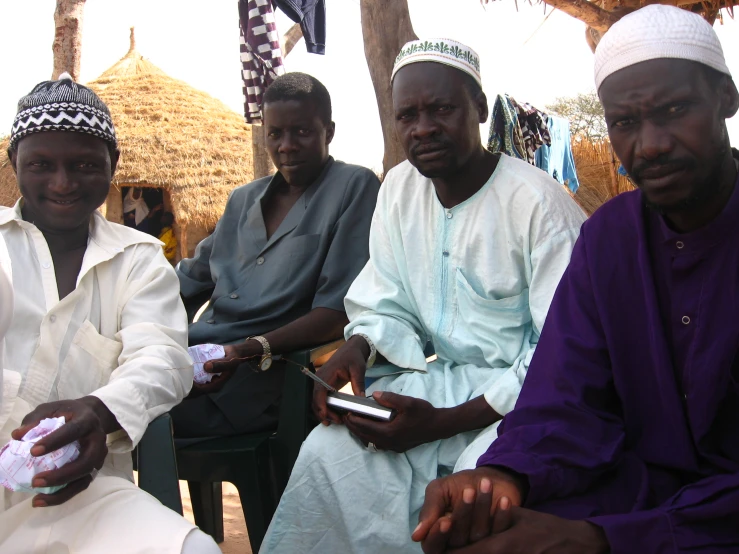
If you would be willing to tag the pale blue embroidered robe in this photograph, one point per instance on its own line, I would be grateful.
(476, 280)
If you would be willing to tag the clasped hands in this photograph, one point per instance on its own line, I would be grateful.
(478, 512)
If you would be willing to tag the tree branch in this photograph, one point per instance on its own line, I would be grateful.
(591, 14)
(290, 39)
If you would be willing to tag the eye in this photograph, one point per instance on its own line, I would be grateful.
(86, 165)
(273, 135)
(675, 109)
(304, 132)
(38, 164)
(445, 108)
(405, 116)
(622, 123)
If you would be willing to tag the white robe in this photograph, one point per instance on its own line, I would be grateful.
(121, 335)
(476, 280)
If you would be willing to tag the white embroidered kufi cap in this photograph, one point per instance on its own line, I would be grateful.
(654, 32)
(439, 50)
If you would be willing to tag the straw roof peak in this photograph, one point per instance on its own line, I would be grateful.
(132, 39)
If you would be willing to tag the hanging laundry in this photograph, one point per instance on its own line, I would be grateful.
(311, 14)
(261, 57)
(517, 129)
(534, 128)
(505, 133)
(556, 158)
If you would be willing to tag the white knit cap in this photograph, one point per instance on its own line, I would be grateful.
(654, 32)
(440, 50)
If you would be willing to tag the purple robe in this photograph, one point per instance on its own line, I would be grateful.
(629, 416)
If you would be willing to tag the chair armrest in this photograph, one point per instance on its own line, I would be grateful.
(320, 351)
(157, 464)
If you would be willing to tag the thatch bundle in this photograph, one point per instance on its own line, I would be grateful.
(597, 171)
(171, 136)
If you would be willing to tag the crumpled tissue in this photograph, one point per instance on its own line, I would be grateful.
(201, 353)
(18, 467)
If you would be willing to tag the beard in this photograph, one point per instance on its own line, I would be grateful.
(701, 193)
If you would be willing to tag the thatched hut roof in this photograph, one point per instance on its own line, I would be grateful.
(171, 136)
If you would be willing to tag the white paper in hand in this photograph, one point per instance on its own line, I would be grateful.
(201, 353)
(18, 467)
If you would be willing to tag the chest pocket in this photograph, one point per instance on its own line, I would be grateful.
(88, 365)
(497, 326)
(299, 250)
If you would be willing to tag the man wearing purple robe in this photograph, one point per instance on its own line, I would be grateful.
(625, 437)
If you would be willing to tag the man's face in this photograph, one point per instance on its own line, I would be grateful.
(666, 122)
(297, 140)
(436, 118)
(63, 177)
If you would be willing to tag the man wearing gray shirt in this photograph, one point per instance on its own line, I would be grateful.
(278, 265)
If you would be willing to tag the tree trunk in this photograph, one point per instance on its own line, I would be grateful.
(67, 45)
(261, 163)
(386, 27)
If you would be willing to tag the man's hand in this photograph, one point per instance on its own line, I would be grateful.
(459, 509)
(415, 423)
(234, 355)
(87, 421)
(530, 532)
(348, 364)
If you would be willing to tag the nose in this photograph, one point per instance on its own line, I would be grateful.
(425, 127)
(62, 182)
(287, 144)
(653, 141)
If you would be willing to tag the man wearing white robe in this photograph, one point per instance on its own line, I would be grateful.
(98, 336)
(466, 250)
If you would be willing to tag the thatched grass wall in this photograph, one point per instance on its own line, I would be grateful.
(597, 171)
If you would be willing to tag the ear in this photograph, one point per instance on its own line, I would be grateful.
(12, 156)
(729, 98)
(114, 157)
(481, 101)
(330, 132)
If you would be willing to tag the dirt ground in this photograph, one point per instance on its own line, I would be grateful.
(236, 540)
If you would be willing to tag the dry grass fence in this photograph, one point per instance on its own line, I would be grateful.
(597, 171)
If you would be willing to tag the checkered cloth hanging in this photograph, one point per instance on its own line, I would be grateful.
(261, 56)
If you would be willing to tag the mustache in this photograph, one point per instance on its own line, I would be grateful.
(431, 146)
(661, 163)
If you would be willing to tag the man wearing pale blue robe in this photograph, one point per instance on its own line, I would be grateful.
(469, 266)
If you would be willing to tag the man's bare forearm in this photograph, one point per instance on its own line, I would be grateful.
(316, 327)
(473, 414)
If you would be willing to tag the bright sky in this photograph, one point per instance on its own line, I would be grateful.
(533, 59)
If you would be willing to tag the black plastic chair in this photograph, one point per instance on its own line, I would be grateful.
(258, 464)
(154, 458)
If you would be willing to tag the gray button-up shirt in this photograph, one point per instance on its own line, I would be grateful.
(309, 262)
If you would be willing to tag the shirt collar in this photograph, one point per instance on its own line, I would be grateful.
(277, 178)
(110, 238)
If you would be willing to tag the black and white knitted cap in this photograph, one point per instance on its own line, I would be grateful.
(62, 105)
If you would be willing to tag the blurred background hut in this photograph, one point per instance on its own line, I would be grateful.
(177, 143)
